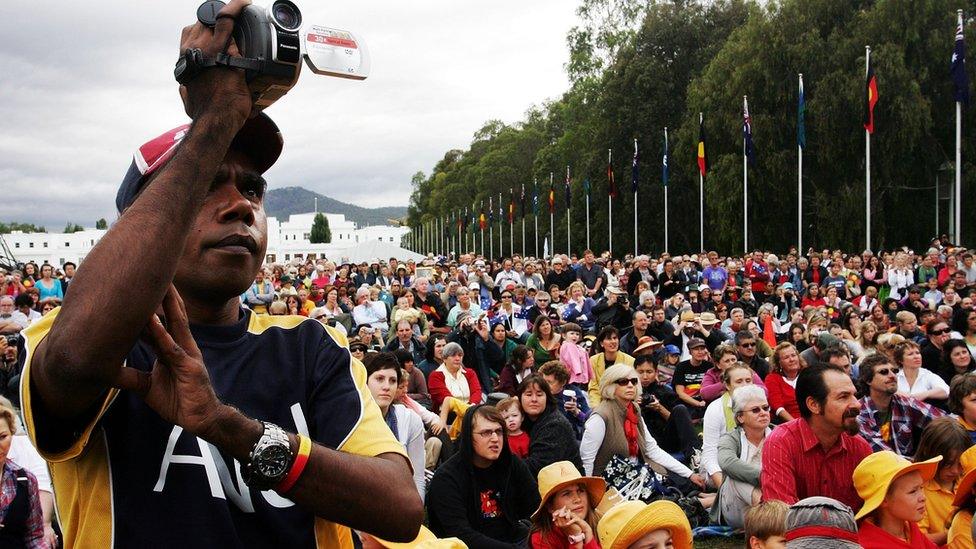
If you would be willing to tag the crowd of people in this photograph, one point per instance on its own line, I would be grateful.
(523, 391)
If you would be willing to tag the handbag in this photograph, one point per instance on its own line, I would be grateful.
(636, 481)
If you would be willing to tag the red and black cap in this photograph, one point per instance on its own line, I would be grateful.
(259, 139)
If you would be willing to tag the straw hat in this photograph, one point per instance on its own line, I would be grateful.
(709, 319)
(424, 540)
(629, 521)
(964, 490)
(646, 342)
(875, 473)
(561, 474)
(687, 315)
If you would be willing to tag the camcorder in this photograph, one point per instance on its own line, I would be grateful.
(273, 41)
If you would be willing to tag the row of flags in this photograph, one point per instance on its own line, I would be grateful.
(467, 218)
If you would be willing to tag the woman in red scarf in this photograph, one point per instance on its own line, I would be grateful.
(616, 428)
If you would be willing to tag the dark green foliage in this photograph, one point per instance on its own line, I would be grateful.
(320, 230)
(637, 67)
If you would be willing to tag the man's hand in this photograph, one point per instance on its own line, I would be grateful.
(218, 89)
(178, 387)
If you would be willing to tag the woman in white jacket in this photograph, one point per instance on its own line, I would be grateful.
(383, 373)
(900, 276)
(615, 427)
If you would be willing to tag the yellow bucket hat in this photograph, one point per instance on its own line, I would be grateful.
(627, 522)
(875, 473)
(964, 490)
(425, 540)
(557, 476)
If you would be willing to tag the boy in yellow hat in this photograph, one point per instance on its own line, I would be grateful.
(894, 501)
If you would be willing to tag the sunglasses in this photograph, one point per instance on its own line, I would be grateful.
(747, 345)
(627, 381)
(357, 349)
(757, 409)
(506, 297)
(886, 371)
(943, 331)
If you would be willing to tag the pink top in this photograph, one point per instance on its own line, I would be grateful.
(577, 362)
(712, 386)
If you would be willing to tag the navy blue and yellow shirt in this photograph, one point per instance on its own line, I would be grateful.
(134, 480)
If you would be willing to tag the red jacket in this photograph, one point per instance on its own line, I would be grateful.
(556, 539)
(781, 395)
(437, 386)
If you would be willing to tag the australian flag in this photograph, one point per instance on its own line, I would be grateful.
(960, 79)
(750, 149)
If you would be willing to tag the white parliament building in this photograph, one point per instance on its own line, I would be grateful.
(287, 241)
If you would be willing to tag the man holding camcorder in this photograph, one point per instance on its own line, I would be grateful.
(158, 404)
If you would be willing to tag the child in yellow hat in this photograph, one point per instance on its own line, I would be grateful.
(894, 501)
(566, 517)
(637, 524)
(960, 532)
(947, 438)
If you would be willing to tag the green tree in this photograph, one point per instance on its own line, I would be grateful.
(73, 228)
(320, 230)
(101, 224)
(6, 228)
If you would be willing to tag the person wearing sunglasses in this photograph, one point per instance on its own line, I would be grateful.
(740, 457)
(616, 429)
(888, 419)
(937, 333)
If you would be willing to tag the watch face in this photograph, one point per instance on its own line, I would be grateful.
(273, 461)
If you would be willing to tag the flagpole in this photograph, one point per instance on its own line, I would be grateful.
(610, 202)
(745, 185)
(501, 227)
(491, 231)
(568, 212)
(635, 201)
(701, 199)
(666, 191)
(587, 219)
(552, 230)
(535, 213)
(799, 183)
(957, 238)
(867, 165)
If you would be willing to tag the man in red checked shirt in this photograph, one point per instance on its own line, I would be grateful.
(815, 455)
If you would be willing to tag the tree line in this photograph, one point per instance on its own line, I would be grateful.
(638, 67)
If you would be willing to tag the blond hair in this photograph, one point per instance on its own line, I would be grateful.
(765, 520)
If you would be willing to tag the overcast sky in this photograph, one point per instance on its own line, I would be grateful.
(85, 83)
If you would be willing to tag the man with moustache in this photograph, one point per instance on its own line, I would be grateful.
(815, 454)
(890, 421)
(483, 493)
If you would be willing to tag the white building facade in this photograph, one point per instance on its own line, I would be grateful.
(287, 241)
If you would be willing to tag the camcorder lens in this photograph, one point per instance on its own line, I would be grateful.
(286, 15)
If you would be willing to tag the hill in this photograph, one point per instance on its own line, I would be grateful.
(294, 200)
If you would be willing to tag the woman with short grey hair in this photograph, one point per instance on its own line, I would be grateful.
(452, 379)
(740, 456)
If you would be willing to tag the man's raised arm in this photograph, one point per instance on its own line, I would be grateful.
(105, 312)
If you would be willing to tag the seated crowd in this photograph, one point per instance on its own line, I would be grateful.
(603, 402)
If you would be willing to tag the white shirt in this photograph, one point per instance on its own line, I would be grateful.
(457, 385)
(23, 453)
(713, 427)
(372, 313)
(926, 381)
(410, 433)
(596, 429)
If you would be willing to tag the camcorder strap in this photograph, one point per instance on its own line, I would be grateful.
(193, 62)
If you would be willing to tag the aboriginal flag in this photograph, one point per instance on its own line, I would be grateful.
(702, 156)
(613, 184)
(870, 98)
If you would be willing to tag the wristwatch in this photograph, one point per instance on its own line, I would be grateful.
(270, 459)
